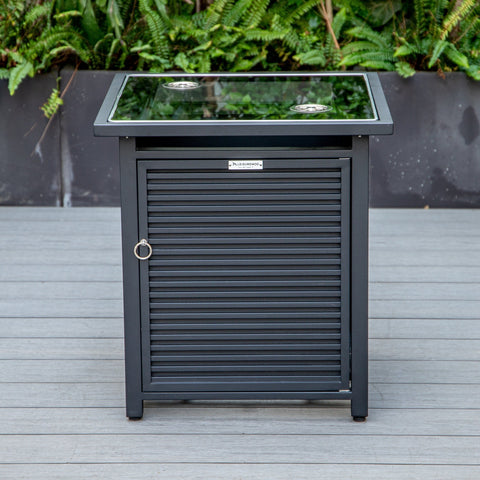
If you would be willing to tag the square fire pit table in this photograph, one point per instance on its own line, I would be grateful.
(245, 233)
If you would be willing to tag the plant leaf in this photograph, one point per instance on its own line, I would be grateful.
(456, 57)
(403, 50)
(313, 57)
(404, 69)
(437, 51)
(18, 73)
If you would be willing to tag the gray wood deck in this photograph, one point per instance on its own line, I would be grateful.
(61, 367)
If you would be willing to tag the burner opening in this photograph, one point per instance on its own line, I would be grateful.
(182, 85)
(310, 108)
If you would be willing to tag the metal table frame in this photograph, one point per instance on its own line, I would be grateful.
(146, 141)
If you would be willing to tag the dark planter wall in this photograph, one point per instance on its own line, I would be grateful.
(29, 174)
(90, 164)
(432, 159)
(434, 156)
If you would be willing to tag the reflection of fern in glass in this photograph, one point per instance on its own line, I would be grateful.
(244, 98)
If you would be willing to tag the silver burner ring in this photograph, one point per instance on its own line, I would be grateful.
(310, 108)
(182, 85)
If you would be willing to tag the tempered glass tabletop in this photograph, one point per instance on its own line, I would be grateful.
(203, 98)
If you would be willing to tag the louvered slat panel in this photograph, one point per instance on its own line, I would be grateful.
(247, 279)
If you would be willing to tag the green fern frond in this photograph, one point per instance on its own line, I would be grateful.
(256, 14)
(367, 58)
(292, 39)
(204, 64)
(339, 21)
(276, 22)
(182, 62)
(301, 10)
(248, 64)
(51, 106)
(471, 29)
(381, 40)
(404, 69)
(56, 38)
(203, 46)
(126, 7)
(158, 63)
(438, 10)
(403, 51)
(36, 13)
(215, 12)
(420, 8)
(313, 57)
(474, 72)
(378, 65)
(358, 46)
(18, 73)
(456, 15)
(66, 16)
(437, 51)
(156, 29)
(235, 14)
(456, 57)
(265, 36)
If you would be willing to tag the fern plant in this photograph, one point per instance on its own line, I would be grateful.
(31, 43)
(375, 50)
(426, 34)
(443, 35)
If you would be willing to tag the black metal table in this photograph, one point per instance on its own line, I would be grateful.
(245, 233)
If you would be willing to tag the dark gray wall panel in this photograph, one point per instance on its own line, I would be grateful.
(28, 176)
(433, 158)
(90, 172)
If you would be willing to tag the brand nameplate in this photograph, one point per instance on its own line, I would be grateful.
(245, 164)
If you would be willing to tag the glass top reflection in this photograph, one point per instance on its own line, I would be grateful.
(148, 98)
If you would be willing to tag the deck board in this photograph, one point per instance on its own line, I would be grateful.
(203, 471)
(61, 366)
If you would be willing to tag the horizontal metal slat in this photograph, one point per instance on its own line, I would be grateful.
(246, 251)
(234, 346)
(283, 357)
(200, 368)
(236, 197)
(287, 220)
(208, 304)
(241, 186)
(223, 241)
(256, 262)
(264, 294)
(239, 316)
(221, 325)
(249, 229)
(154, 210)
(230, 385)
(187, 275)
(278, 284)
(241, 336)
(271, 377)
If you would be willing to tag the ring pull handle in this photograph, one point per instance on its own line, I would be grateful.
(143, 243)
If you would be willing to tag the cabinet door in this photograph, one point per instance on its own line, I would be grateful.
(247, 289)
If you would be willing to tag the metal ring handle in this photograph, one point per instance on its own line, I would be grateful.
(143, 243)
